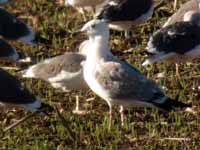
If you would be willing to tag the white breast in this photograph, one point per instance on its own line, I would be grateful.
(89, 76)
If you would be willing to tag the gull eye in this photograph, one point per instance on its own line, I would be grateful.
(93, 26)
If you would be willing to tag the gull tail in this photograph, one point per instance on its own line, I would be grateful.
(27, 73)
(157, 57)
(33, 105)
(32, 38)
(149, 61)
(39, 106)
(170, 104)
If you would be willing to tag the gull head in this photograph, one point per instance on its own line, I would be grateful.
(192, 16)
(96, 27)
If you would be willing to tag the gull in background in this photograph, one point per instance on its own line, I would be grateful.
(192, 5)
(179, 42)
(63, 71)
(125, 14)
(7, 52)
(116, 81)
(14, 29)
(13, 93)
(83, 5)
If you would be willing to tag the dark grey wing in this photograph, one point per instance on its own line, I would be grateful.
(180, 38)
(178, 16)
(13, 28)
(7, 51)
(12, 91)
(123, 82)
(124, 10)
(69, 62)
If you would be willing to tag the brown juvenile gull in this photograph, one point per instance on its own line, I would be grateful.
(118, 82)
(179, 42)
(63, 71)
(192, 5)
(125, 14)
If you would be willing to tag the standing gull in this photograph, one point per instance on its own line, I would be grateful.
(64, 71)
(192, 5)
(178, 42)
(116, 81)
(126, 14)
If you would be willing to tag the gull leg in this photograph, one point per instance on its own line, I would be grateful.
(175, 4)
(110, 118)
(127, 34)
(110, 115)
(77, 110)
(77, 105)
(177, 71)
(121, 111)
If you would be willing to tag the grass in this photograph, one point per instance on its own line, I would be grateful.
(144, 128)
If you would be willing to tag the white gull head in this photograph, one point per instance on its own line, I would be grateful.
(96, 27)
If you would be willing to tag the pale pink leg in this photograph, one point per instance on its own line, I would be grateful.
(121, 111)
(175, 4)
(77, 110)
(110, 115)
(110, 118)
(177, 71)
